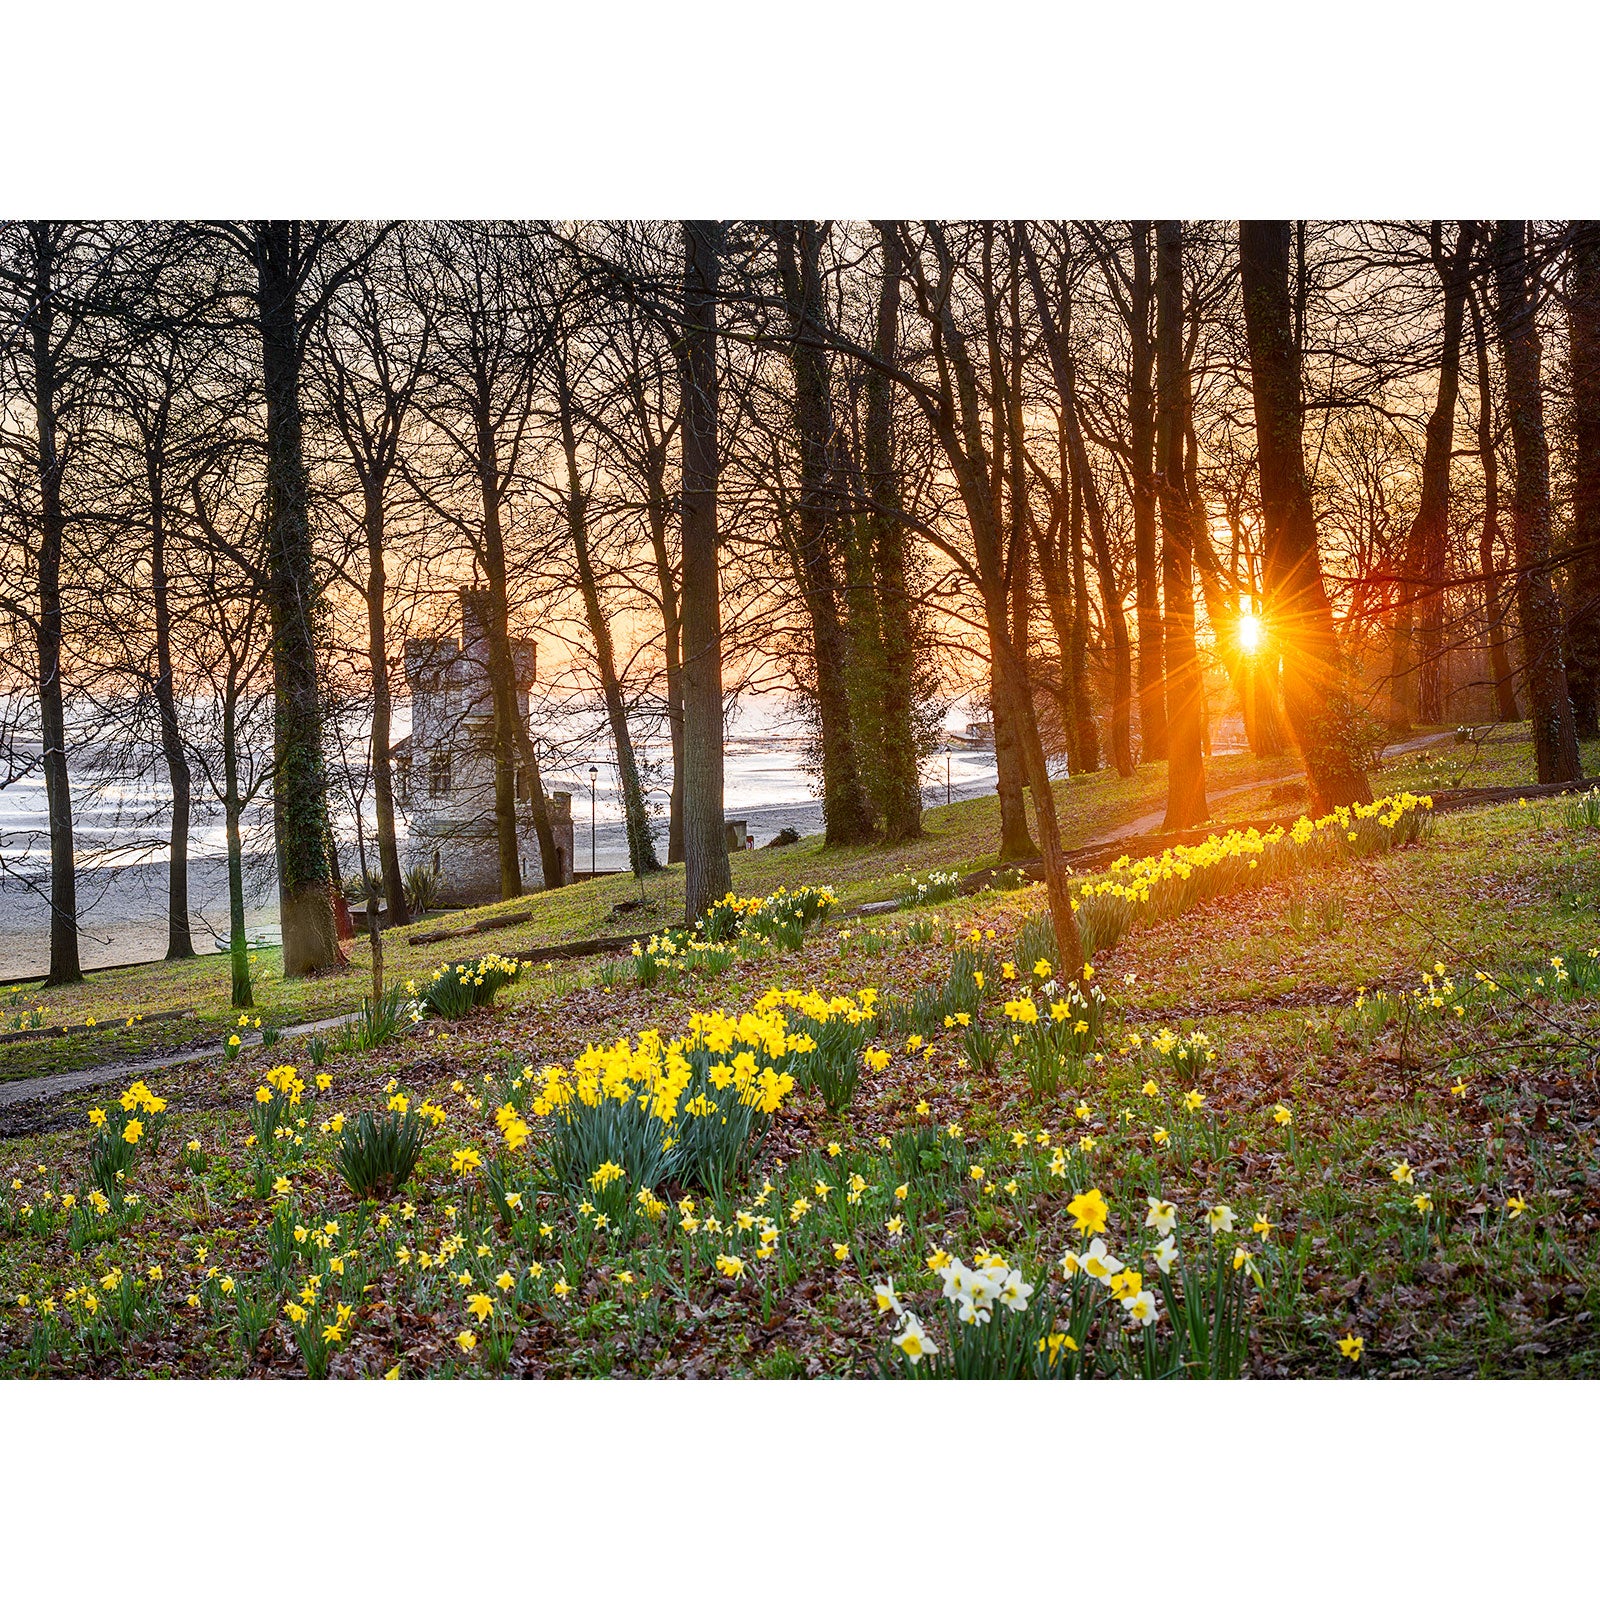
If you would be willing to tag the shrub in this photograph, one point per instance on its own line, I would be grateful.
(376, 1155)
(421, 886)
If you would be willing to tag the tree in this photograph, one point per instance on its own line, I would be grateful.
(1555, 736)
(1186, 774)
(705, 840)
(480, 402)
(884, 531)
(562, 363)
(295, 276)
(1489, 535)
(847, 817)
(1583, 592)
(1298, 616)
(1415, 689)
(51, 274)
(373, 359)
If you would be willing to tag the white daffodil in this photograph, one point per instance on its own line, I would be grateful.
(1165, 1254)
(887, 1299)
(914, 1342)
(970, 1311)
(1142, 1308)
(957, 1280)
(1099, 1263)
(1162, 1215)
(1219, 1219)
(1014, 1292)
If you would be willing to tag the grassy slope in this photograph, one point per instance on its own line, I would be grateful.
(960, 836)
(1502, 889)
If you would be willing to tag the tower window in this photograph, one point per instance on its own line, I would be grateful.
(439, 773)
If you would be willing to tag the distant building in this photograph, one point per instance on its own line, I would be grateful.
(445, 770)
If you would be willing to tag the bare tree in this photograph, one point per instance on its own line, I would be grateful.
(1300, 619)
(1555, 736)
(705, 841)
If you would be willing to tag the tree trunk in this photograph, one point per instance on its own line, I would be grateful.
(180, 943)
(705, 839)
(1057, 342)
(1583, 592)
(502, 661)
(1186, 773)
(1488, 555)
(1555, 738)
(238, 951)
(846, 816)
(672, 645)
(1142, 473)
(641, 847)
(1300, 619)
(64, 963)
(1088, 729)
(394, 891)
(299, 793)
(900, 780)
(1416, 688)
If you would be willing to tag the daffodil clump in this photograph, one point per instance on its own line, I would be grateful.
(690, 1109)
(452, 991)
(932, 890)
(136, 1119)
(829, 1039)
(779, 919)
(1154, 888)
(1053, 1027)
(1105, 1318)
(679, 953)
(26, 1021)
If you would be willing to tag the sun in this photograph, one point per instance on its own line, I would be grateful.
(1249, 632)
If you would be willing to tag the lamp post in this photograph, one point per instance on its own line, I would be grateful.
(594, 774)
(947, 775)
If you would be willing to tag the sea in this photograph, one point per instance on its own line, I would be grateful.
(122, 849)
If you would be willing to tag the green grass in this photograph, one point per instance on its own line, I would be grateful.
(962, 836)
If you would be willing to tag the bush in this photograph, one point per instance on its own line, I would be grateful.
(421, 886)
(376, 1155)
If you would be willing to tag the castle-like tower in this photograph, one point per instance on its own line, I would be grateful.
(445, 770)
